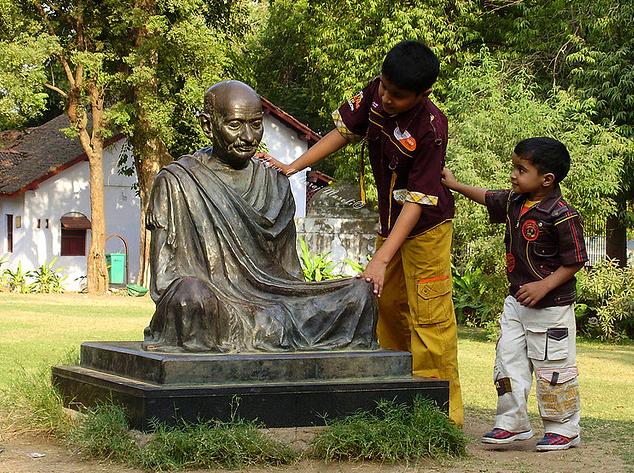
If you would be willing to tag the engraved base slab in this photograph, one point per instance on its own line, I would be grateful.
(276, 389)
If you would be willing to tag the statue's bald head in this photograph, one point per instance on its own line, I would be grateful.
(218, 96)
(233, 121)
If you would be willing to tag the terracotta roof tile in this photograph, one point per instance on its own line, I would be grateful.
(37, 152)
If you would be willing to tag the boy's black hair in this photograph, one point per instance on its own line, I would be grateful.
(411, 65)
(546, 154)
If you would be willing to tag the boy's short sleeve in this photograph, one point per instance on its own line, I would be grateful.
(352, 116)
(572, 248)
(497, 203)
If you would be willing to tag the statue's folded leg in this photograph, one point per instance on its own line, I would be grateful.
(185, 318)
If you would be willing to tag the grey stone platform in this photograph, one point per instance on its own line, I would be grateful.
(276, 389)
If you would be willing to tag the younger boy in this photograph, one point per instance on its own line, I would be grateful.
(544, 250)
(411, 271)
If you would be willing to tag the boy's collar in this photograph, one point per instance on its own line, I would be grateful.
(547, 204)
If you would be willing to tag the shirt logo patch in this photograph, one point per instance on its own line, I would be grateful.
(355, 102)
(530, 230)
(510, 262)
(407, 141)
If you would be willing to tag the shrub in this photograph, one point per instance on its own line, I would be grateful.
(47, 279)
(605, 308)
(316, 267)
(18, 280)
(394, 433)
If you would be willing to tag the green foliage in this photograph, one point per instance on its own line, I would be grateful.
(477, 298)
(47, 279)
(606, 301)
(316, 267)
(236, 444)
(18, 280)
(395, 433)
(4, 259)
(22, 72)
(310, 56)
(492, 108)
(104, 433)
(30, 404)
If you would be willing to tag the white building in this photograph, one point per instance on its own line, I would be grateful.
(45, 195)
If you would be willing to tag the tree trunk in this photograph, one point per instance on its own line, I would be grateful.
(149, 156)
(616, 234)
(150, 152)
(96, 264)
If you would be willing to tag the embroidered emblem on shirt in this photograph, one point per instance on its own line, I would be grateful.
(355, 102)
(407, 140)
(510, 262)
(530, 230)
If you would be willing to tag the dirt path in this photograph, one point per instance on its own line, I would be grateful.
(591, 456)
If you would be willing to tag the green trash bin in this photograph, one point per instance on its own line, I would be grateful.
(116, 267)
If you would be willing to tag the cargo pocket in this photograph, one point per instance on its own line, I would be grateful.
(433, 300)
(557, 392)
(536, 344)
(557, 343)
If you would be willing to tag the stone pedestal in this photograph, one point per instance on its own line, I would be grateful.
(276, 389)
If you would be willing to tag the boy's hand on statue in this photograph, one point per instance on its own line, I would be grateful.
(447, 178)
(374, 273)
(531, 293)
(274, 163)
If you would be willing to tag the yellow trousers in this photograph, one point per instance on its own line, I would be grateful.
(416, 312)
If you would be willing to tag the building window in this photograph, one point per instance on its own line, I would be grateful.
(74, 226)
(9, 233)
(73, 242)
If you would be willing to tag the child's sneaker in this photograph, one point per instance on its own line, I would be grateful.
(501, 436)
(557, 442)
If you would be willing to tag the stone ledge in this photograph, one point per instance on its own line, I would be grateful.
(281, 404)
(129, 360)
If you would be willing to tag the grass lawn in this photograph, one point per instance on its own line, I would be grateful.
(43, 329)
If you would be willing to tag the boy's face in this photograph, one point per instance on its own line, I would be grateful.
(527, 179)
(396, 100)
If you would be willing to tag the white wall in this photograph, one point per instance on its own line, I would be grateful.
(284, 145)
(67, 192)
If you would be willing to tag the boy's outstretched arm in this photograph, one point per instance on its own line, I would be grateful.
(374, 272)
(531, 293)
(476, 194)
(330, 143)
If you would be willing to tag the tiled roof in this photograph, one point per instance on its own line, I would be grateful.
(37, 154)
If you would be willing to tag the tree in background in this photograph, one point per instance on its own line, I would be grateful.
(310, 56)
(586, 47)
(138, 66)
(65, 38)
(492, 108)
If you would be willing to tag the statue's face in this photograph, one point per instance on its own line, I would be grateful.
(237, 127)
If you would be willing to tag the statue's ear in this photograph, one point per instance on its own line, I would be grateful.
(205, 123)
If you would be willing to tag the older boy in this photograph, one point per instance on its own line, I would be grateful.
(544, 250)
(411, 271)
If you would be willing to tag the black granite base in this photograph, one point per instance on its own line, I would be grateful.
(278, 390)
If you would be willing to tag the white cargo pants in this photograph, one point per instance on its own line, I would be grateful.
(543, 341)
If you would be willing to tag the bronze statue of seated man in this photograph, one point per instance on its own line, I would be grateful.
(225, 274)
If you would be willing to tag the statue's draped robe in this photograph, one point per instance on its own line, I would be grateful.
(225, 274)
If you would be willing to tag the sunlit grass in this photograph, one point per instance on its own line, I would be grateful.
(36, 329)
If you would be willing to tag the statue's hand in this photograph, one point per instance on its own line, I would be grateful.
(270, 161)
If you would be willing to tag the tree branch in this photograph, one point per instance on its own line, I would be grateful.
(56, 89)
